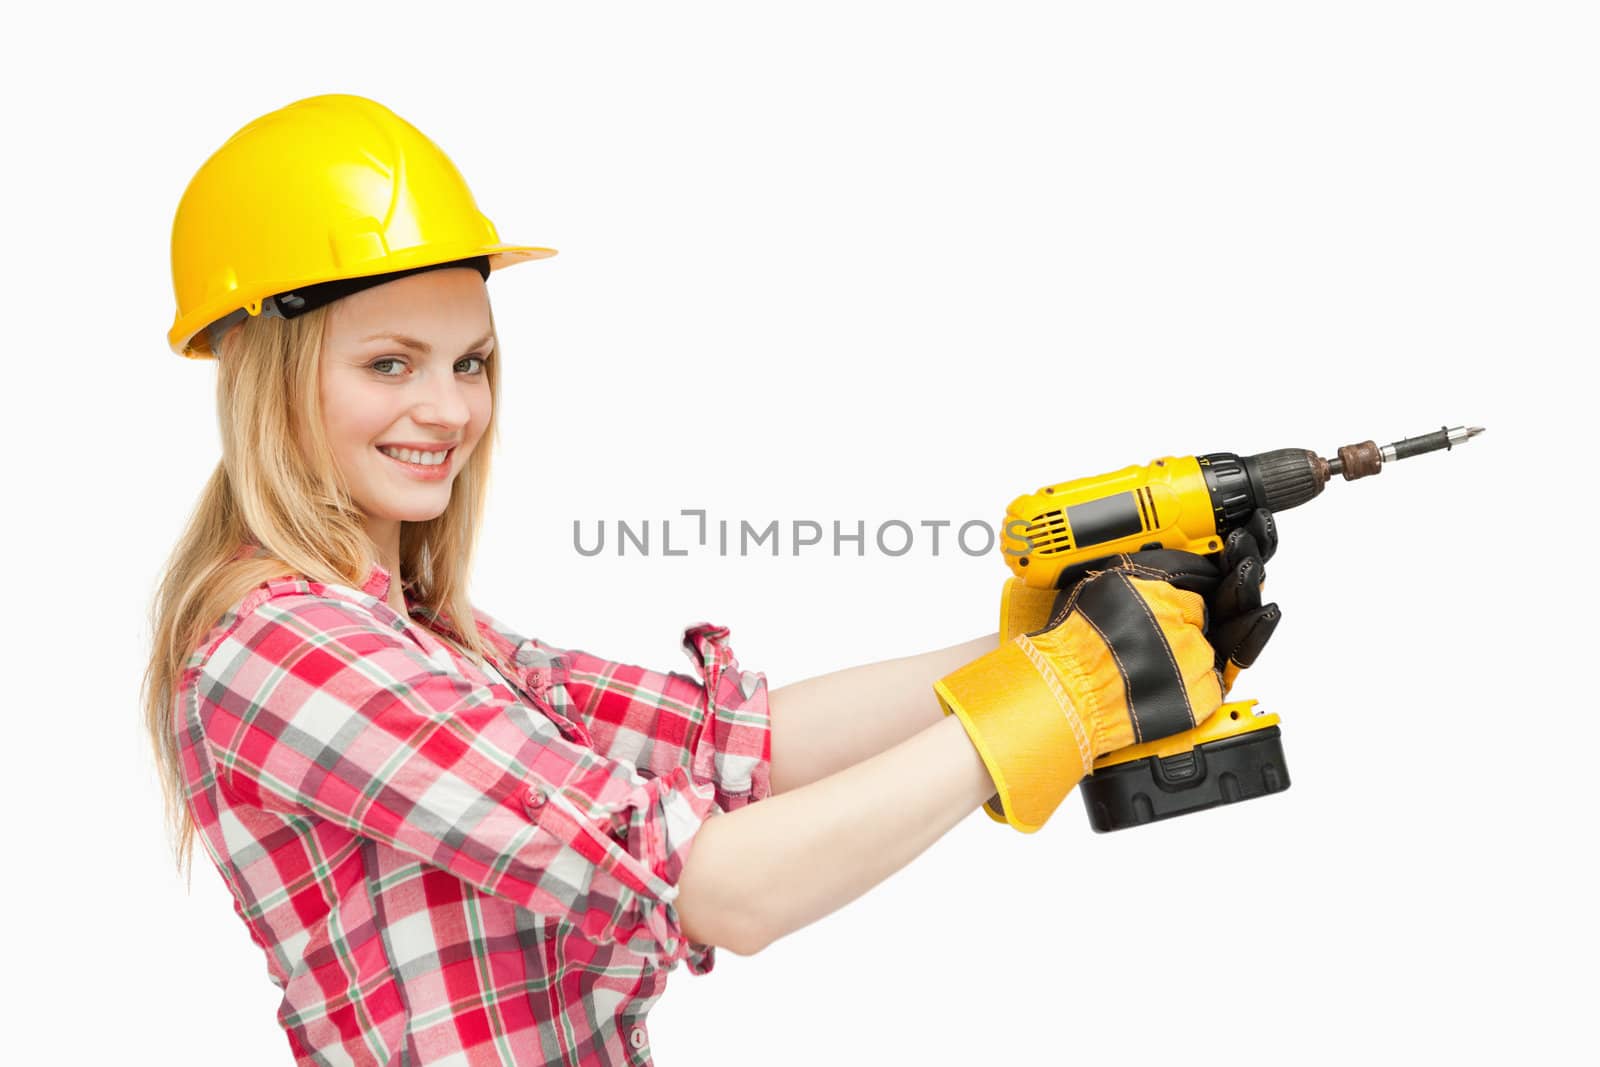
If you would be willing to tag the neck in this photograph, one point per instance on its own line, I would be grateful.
(385, 537)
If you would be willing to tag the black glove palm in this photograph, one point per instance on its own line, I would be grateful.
(1237, 625)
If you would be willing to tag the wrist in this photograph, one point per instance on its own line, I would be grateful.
(1026, 726)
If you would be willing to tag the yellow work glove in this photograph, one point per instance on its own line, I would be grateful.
(1024, 609)
(1237, 623)
(1123, 659)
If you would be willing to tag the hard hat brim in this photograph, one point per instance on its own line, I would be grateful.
(188, 336)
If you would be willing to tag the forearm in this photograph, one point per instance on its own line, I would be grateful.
(761, 872)
(825, 724)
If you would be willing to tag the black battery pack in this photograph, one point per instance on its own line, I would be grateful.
(1225, 771)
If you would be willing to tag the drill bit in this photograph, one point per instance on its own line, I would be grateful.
(1358, 461)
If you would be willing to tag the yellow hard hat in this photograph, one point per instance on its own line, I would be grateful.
(330, 189)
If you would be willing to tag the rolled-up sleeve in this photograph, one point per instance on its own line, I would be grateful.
(715, 724)
(313, 706)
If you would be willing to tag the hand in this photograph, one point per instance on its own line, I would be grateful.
(1122, 659)
(1237, 624)
(1240, 624)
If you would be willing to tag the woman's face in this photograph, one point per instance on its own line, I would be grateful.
(404, 368)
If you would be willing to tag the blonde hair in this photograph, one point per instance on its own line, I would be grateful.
(277, 486)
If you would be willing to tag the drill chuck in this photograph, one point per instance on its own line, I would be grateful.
(1288, 477)
(1282, 478)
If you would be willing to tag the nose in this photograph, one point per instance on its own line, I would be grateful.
(441, 401)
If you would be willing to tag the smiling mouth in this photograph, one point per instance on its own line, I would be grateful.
(422, 471)
(419, 457)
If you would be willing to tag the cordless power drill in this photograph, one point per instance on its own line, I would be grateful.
(1190, 503)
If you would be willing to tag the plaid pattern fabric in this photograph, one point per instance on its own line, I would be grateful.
(450, 865)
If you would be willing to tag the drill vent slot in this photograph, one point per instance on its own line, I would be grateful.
(1048, 534)
(1147, 508)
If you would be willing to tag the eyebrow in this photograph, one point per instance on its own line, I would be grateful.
(420, 346)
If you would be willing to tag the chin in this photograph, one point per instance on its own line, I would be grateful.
(411, 511)
(418, 514)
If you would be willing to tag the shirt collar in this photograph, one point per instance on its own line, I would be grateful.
(377, 582)
(377, 585)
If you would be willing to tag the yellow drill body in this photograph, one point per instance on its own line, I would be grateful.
(1164, 504)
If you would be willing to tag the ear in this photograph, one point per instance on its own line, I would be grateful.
(229, 338)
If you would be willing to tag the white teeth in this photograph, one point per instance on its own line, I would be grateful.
(411, 455)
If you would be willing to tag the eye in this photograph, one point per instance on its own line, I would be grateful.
(377, 365)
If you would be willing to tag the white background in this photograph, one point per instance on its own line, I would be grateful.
(872, 261)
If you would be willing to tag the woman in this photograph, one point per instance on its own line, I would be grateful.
(456, 843)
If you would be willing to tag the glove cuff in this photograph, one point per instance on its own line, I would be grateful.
(1023, 609)
(1025, 726)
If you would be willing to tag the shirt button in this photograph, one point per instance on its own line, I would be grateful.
(636, 1037)
(535, 798)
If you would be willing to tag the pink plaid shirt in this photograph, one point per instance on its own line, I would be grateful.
(450, 866)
